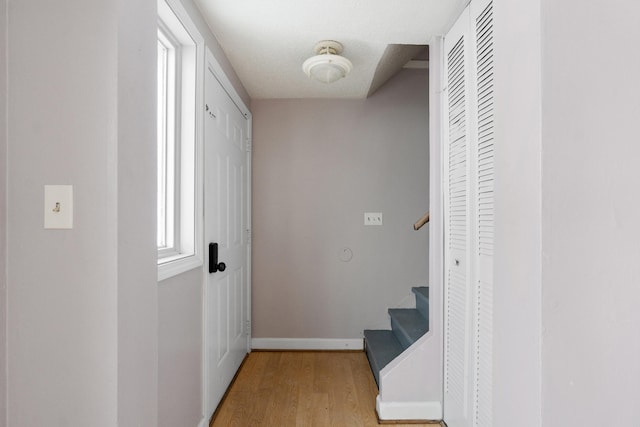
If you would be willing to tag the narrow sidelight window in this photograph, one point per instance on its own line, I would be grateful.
(179, 88)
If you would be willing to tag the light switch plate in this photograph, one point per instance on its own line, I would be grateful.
(373, 218)
(58, 206)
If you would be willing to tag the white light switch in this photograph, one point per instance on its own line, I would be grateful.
(58, 206)
(373, 218)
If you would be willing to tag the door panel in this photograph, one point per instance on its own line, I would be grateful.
(482, 14)
(457, 287)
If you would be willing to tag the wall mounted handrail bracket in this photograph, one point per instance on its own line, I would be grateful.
(422, 221)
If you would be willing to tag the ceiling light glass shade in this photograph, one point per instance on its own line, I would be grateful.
(327, 68)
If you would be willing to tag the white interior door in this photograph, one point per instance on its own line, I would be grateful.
(226, 204)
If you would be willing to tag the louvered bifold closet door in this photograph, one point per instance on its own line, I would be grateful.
(469, 219)
(457, 291)
(482, 17)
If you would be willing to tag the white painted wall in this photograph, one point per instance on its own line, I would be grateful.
(62, 312)
(517, 270)
(136, 183)
(82, 307)
(436, 217)
(91, 335)
(318, 166)
(180, 350)
(216, 49)
(590, 211)
(567, 103)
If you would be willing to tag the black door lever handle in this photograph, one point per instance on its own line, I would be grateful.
(214, 265)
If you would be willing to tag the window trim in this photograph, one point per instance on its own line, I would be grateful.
(186, 253)
(171, 111)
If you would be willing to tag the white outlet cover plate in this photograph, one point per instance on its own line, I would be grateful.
(58, 206)
(373, 218)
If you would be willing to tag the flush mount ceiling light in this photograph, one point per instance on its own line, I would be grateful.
(327, 65)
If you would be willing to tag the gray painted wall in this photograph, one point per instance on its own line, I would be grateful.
(3, 213)
(590, 211)
(318, 165)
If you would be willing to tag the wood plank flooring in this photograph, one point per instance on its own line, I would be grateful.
(302, 389)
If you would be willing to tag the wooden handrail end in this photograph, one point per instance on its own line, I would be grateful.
(422, 221)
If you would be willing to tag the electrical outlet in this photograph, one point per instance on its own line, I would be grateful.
(373, 218)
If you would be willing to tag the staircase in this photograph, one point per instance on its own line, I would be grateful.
(407, 326)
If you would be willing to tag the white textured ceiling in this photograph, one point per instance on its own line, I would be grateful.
(267, 41)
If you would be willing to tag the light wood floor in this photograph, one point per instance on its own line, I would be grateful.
(283, 389)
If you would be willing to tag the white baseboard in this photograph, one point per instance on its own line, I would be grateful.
(306, 344)
(431, 411)
(203, 423)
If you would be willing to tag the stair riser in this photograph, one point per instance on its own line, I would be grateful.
(381, 347)
(374, 366)
(408, 325)
(422, 300)
(422, 304)
(404, 339)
